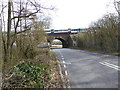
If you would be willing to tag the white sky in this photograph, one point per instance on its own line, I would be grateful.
(79, 13)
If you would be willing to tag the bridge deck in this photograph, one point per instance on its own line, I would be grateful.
(72, 31)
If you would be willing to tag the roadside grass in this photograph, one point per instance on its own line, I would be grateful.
(85, 49)
(40, 72)
(98, 51)
(116, 53)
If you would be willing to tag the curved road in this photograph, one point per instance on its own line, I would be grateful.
(86, 69)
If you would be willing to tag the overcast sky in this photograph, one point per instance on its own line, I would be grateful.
(79, 13)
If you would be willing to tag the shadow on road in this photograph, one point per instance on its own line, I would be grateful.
(55, 47)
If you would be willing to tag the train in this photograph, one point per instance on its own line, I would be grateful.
(64, 30)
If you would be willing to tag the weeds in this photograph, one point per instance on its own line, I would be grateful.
(29, 75)
(40, 72)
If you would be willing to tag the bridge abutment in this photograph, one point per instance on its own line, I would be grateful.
(63, 37)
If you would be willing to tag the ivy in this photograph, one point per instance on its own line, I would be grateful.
(32, 73)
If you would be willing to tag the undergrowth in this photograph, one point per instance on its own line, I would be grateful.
(40, 72)
(28, 75)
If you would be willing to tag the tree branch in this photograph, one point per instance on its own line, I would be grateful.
(23, 16)
(21, 32)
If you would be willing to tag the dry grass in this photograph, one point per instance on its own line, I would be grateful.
(44, 56)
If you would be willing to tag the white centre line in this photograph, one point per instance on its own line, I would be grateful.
(63, 61)
(66, 73)
(64, 66)
(61, 56)
(110, 65)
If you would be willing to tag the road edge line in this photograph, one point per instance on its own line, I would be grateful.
(62, 77)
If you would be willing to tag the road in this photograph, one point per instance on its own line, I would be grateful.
(85, 69)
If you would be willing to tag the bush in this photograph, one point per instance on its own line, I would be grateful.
(29, 75)
(101, 35)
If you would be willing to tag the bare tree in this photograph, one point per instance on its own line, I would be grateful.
(102, 35)
(7, 55)
(1, 60)
(117, 6)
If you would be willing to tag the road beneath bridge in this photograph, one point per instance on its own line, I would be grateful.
(86, 69)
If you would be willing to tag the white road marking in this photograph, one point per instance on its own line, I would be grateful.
(106, 55)
(60, 53)
(110, 65)
(69, 87)
(66, 73)
(63, 61)
(68, 63)
(64, 66)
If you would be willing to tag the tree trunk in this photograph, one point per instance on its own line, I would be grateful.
(1, 59)
(8, 31)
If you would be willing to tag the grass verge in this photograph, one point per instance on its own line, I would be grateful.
(98, 51)
(40, 72)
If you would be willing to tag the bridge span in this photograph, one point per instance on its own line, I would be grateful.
(63, 35)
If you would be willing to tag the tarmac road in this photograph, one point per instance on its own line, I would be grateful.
(86, 69)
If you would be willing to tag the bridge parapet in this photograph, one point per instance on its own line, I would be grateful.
(61, 31)
(72, 31)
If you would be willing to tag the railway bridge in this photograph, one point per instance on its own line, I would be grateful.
(62, 35)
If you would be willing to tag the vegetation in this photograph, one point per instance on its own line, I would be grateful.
(25, 73)
(24, 29)
(102, 35)
(40, 72)
(24, 64)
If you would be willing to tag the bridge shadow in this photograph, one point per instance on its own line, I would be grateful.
(56, 48)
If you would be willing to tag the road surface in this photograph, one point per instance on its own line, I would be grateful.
(86, 69)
